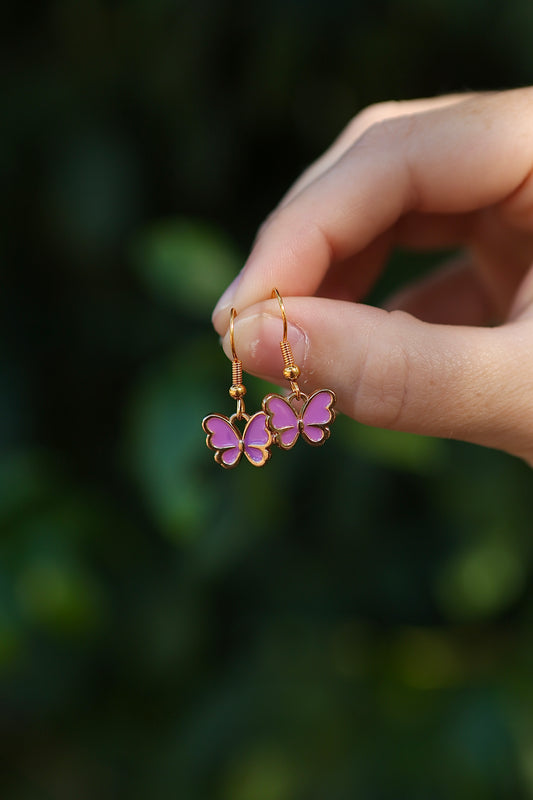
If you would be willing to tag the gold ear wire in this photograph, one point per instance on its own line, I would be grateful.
(233, 314)
(291, 371)
(276, 294)
(237, 389)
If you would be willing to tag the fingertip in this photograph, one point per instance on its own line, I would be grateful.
(258, 335)
(226, 345)
(221, 312)
(220, 319)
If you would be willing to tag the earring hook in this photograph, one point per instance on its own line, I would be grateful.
(276, 294)
(291, 371)
(233, 314)
(237, 389)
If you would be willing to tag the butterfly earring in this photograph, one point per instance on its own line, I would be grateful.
(288, 417)
(223, 435)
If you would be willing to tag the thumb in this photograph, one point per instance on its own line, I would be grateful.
(392, 370)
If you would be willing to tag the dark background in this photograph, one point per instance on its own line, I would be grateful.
(353, 621)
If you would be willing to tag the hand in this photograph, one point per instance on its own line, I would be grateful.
(446, 172)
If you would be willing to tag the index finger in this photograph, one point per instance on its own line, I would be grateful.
(455, 159)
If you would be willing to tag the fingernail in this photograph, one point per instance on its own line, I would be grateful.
(258, 340)
(224, 304)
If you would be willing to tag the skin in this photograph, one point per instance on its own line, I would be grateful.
(453, 171)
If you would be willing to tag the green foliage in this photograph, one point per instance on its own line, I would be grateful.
(187, 263)
(350, 621)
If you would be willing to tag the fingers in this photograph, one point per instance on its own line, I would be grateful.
(502, 257)
(394, 371)
(451, 295)
(358, 125)
(352, 279)
(457, 159)
(500, 254)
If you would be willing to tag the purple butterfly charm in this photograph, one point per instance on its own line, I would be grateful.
(225, 439)
(311, 420)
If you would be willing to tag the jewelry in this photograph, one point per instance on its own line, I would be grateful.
(223, 435)
(288, 417)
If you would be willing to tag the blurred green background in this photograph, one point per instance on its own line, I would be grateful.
(353, 621)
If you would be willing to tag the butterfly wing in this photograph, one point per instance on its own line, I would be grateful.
(282, 420)
(317, 414)
(224, 439)
(257, 439)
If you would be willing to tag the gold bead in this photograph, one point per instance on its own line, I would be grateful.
(237, 390)
(291, 373)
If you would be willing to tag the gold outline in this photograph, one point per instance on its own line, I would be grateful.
(323, 426)
(276, 432)
(219, 451)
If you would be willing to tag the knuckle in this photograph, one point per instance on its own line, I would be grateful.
(390, 130)
(382, 394)
(375, 113)
(378, 119)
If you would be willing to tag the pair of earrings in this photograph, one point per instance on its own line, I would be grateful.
(281, 420)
